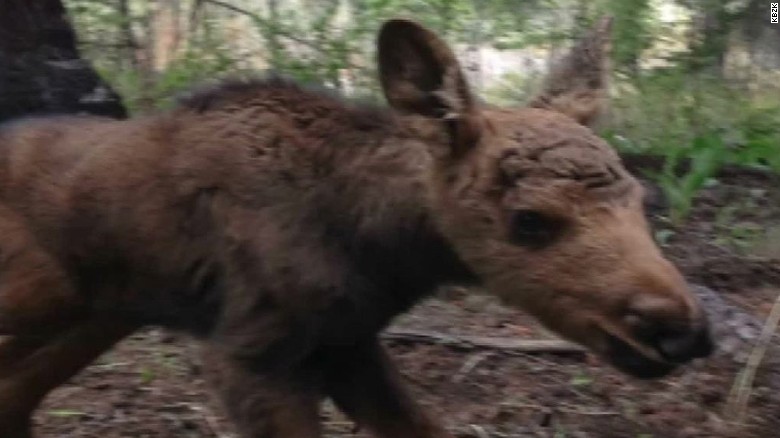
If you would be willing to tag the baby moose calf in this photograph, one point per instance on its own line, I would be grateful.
(285, 228)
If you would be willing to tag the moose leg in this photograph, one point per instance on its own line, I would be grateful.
(31, 368)
(36, 294)
(262, 406)
(365, 384)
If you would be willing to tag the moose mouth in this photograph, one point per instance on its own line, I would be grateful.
(632, 361)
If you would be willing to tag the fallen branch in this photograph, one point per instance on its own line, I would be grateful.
(556, 346)
(470, 431)
(563, 409)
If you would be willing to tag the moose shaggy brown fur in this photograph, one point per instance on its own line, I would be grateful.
(286, 228)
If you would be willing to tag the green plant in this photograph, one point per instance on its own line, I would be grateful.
(581, 380)
(691, 121)
(65, 413)
(706, 155)
(760, 140)
(663, 235)
(147, 375)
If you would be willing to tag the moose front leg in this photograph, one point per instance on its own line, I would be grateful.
(366, 385)
(263, 406)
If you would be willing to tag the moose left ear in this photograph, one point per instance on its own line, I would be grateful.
(421, 75)
(577, 84)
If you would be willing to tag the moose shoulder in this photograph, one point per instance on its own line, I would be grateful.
(286, 228)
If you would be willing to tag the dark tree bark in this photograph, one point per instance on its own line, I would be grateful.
(41, 69)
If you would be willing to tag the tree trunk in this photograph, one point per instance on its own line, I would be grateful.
(41, 70)
(713, 24)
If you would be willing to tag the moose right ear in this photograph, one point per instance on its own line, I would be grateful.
(421, 75)
(419, 72)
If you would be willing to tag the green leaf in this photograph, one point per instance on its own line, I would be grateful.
(581, 380)
(65, 413)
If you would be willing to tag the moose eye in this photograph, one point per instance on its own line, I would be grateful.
(533, 229)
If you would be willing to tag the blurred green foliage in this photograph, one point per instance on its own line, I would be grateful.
(698, 123)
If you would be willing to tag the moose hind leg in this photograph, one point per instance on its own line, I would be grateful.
(36, 294)
(31, 367)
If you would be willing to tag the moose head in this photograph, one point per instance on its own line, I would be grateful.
(540, 208)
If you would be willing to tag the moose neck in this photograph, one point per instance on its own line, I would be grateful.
(380, 212)
(410, 261)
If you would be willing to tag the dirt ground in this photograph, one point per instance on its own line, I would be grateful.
(152, 384)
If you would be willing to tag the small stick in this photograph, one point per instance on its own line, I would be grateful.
(743, 384)
(211, 420)
(479, 431)
(469, 365)
(557, 346)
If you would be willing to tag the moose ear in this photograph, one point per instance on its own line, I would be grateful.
(577, 84)
(421, 75)
(419, 72)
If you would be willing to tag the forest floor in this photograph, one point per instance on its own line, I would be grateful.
(153, 386)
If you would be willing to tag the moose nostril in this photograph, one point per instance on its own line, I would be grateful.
(704, 345)
(681, 346)
(676, 341)
(644, 328)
